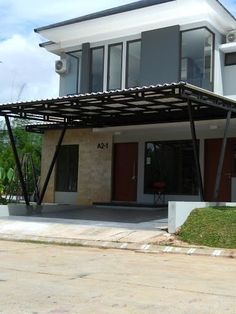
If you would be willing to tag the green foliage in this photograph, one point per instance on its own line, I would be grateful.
(27, 143)
(213, 226)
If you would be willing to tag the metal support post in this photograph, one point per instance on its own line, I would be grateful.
(221, 159)
(195, 149)
(52, 165)
(17, 160)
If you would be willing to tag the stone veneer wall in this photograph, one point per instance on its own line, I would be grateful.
(95, 164)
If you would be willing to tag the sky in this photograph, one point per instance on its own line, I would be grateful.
(26, 70)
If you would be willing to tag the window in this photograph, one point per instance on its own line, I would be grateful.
(230, 58)
(171, 162)
(114, 66)
(133, 63)
(78, 56)
(67, 168)
(97, 63)
(197, 57)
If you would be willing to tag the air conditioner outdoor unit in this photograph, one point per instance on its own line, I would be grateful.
(61, 66)
(231, 37)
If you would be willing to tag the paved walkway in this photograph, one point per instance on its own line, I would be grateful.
(64, 230)
(99, 235)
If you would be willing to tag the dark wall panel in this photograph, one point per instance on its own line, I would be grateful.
(160, 56)
(85, 69)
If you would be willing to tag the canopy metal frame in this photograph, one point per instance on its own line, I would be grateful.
(168, 103)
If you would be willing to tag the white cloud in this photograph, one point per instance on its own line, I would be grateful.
(27, 71)
(21, 15)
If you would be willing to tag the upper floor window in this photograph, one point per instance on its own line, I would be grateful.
(197, 57)
(77, 55)
(115, 66)
(97, 64)
(133, 63)
(114, 77)
(230, 58)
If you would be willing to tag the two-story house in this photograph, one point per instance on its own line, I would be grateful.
(144, 43)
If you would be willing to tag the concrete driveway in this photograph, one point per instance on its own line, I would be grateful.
(89, 225)
(118, 217)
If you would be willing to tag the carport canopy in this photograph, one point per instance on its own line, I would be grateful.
(141, 105)
(176, 102)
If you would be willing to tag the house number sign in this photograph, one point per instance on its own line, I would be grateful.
(102, 146)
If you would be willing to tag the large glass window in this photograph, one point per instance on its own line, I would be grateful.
(173, 163)
(67, 169)
(78, 56)
(114, 66)
(197, 58)
(97, 63)
(133, 63)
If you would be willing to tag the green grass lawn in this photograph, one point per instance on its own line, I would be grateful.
(212, 226)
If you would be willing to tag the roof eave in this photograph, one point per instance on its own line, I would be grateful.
(116, 10)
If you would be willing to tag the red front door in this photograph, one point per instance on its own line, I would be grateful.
(125, 172)
(212, 153)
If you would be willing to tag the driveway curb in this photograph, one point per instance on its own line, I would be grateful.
(137, 247)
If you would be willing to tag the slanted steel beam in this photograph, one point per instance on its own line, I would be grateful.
(17, 161)
(195, 149)
(54, 159)
(222, 157)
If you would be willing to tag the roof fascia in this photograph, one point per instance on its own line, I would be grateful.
(116, 10)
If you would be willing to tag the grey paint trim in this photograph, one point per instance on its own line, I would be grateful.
(120, 9)
(47, 43)
(85, 68)
(160, 56)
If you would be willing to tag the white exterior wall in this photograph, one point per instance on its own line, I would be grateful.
(165, 132)
(179, 12)
(129, 25)
(218, 65)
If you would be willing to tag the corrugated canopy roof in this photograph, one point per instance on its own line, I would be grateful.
(134, 106)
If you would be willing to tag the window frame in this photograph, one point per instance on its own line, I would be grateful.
(127, 58)
(231, 64)
(57, 181)
(91, 63)
(148, 191)
(108, 63)
(213, 51)
(79, 66)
